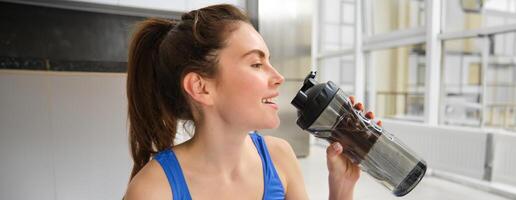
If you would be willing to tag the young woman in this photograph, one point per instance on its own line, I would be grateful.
(212, 68)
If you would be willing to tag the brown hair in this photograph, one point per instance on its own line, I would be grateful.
(161, 53)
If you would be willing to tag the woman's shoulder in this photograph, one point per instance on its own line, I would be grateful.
(287, 165)
(281, 153)
(149, 183)
(282, 156)
(278, 146)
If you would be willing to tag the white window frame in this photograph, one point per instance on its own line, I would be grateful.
(431, 34)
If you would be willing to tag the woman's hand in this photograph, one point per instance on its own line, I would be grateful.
(343, 174)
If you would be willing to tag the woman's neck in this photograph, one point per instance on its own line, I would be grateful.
(219, 147)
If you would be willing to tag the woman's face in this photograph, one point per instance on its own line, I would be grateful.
(247, 84)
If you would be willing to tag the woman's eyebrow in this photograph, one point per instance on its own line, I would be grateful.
(255, 51)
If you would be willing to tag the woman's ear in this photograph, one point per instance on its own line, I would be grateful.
(198, 88)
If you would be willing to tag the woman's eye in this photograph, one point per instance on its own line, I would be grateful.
(257, 65)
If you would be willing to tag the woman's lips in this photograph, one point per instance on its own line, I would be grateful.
(272, 105)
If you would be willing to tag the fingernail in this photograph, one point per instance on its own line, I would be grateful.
(359, 106)
(337, 146)
(370, 115)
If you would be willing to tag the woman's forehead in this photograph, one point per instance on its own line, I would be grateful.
(245, 39)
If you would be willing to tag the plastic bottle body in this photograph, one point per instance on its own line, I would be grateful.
(393, 165)
(378, 152)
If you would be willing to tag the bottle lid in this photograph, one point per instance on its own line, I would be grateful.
(312, 99)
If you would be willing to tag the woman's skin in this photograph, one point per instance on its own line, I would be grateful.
(221, 161)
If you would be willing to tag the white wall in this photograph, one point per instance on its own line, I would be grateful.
(451, 149)
(63, 135)
(504, 161)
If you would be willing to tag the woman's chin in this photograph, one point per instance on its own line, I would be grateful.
(268, 124)
(273, 125)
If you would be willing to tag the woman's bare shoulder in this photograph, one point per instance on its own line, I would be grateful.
(278, 146)
(149, 183)
(287, 166)
(282, 155)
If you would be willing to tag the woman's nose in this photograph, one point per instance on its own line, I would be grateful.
(277, 78)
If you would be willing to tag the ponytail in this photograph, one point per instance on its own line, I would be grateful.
(150, 129)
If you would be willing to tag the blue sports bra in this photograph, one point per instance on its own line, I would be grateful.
(273, 189)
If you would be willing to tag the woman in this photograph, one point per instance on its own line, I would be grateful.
(212, 68)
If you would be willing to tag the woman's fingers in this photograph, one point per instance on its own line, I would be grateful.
(334, 149)
(369, 115)
(332, 157)
(359, 106)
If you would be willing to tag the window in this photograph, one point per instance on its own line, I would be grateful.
(474, 14)
(462, 85)
(337, 25)
(339, 70)
(399, 81)
(393, 15)
(501, 86)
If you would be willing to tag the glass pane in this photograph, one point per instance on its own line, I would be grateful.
(462, 82)
(393, 15)
(339, 70)
(399, 81)
(501, 86)
(472, 14)
(337, 21)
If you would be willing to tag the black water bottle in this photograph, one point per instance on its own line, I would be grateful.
(325, 111)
